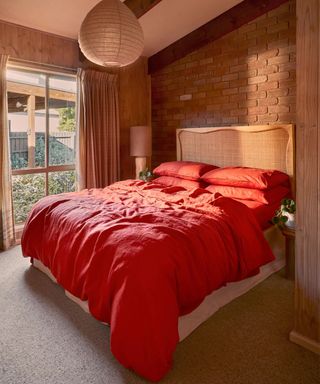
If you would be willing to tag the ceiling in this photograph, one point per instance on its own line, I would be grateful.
(165, 23)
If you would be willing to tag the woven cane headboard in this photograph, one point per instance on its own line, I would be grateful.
(259, 146)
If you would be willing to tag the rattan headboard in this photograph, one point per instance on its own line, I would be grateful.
(259, 146)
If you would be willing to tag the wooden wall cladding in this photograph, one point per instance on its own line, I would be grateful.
(307, 290)
(135, 109)
(32, 45)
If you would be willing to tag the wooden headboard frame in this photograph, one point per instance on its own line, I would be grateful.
(259, 146)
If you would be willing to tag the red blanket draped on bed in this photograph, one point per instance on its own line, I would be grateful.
(142, 257)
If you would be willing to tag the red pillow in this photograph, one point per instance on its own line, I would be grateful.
(268, 196)
(177, 182)
(188, 170)
(245, 177)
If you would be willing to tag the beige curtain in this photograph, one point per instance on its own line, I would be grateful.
(98, 121)
(7, 237)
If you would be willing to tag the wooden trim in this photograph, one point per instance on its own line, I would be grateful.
(140, 7)
(305, 342)
(307, 288)
(39, 67)
(51, 168)
(229, 21)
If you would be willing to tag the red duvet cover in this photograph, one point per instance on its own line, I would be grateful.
(142, 256)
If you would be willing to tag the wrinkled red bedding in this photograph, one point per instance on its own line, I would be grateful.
(142, 255)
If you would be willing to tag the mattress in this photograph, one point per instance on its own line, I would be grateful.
(217, 299)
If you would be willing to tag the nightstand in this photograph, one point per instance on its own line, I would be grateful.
(289, 235)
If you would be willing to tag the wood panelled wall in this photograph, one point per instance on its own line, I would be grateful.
(44, 48)
(135, 109)
(307, 286)
(245, 77)
(36, 46)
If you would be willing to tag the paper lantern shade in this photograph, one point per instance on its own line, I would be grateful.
(140, 141)
(110, 35)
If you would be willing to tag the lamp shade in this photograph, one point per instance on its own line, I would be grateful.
(140, 141)
(110, 35)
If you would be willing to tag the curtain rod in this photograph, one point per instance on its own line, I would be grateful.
(21, 63)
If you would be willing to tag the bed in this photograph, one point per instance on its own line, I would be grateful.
(269, 147)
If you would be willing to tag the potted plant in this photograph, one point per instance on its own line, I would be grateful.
(146, 175)
(286, 213)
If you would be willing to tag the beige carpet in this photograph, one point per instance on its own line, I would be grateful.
(47, 339)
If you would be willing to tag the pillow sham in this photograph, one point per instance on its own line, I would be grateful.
(188, 170)
(170, 181)
(267, 196)
(245, 177)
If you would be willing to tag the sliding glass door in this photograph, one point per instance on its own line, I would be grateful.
(42, 132)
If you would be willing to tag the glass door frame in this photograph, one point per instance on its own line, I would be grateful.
(47, 169)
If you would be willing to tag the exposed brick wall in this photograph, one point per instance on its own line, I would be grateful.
(246, 77)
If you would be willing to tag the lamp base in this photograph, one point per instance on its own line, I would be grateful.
(141, 164)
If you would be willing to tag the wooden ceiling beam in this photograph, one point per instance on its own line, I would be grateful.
(140, 7)
(227, 22)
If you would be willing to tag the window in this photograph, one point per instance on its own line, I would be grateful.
(42, 132)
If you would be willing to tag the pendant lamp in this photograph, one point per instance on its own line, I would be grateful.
(110, 35)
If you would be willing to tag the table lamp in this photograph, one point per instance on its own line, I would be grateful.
(140, 146)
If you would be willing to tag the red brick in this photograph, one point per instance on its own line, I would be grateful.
(267, 22)
(230, 91)
(239, 112)
(278, 76)
(200, 95)
(287, 117)
(247, 28)
(287, 100)
(287, 49)
(268, 69)
(283, 25)
(230, 76)
(278, 59)
(247, 103)
(257, 95)
(291, 65)
(248, 88)
(278, 44)
(221, 85)
(247, 73)
(256, 64)
(230, 120)
(257, 110)
(257, 79)
(268, 101)
(208, 60)
(278, 109)
(256, 33)
(238, 68)
(268, 118)
(268, 54)
(214, 93)
(238, 83)
(239, 97)
(248, 119)
(277, 92)
(287, 83)
(268, 85)
(192, 64)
